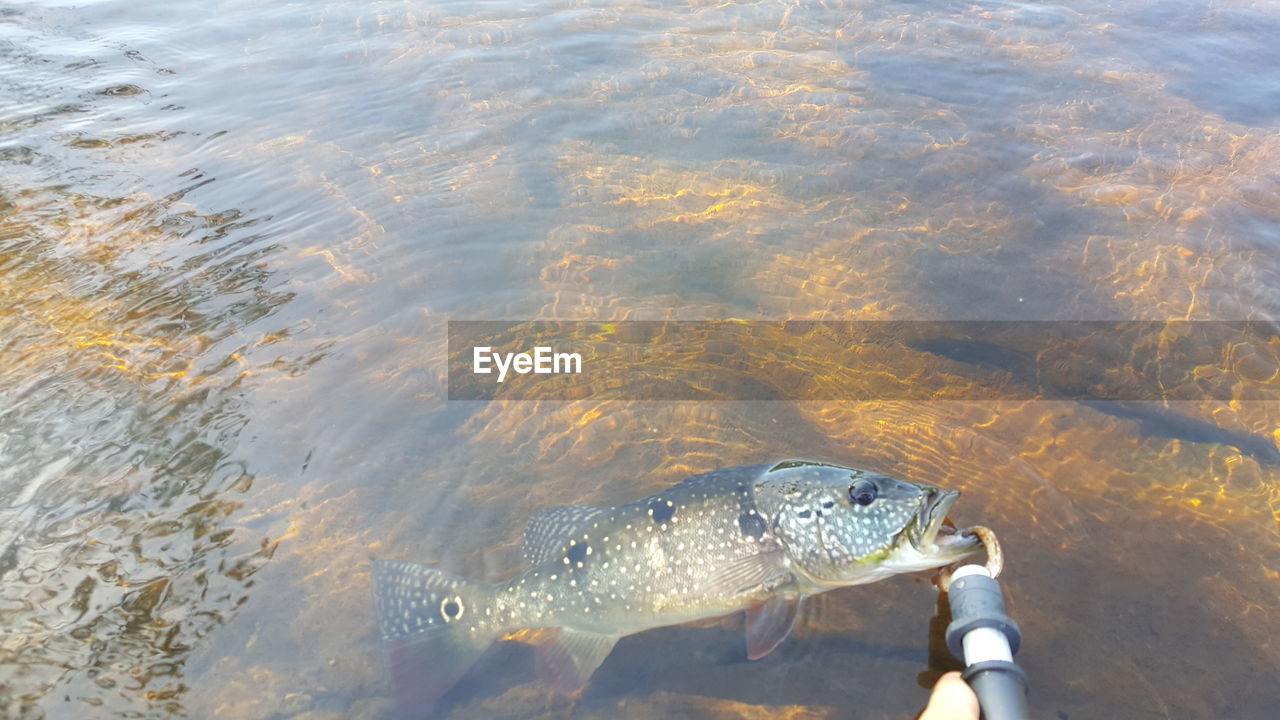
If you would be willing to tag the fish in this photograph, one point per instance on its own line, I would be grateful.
(757, 538)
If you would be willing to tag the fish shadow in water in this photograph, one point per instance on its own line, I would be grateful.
(1155, 420)
(712, 662)
(503, 666)
(706, 662)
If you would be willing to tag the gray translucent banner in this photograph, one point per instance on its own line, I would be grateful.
(869, 360)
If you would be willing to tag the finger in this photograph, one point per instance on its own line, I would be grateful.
(952, 699)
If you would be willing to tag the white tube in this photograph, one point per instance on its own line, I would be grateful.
(984, 643)
(967, 570)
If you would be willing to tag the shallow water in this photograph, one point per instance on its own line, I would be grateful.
(231, 236)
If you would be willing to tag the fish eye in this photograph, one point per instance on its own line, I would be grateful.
(862, 492)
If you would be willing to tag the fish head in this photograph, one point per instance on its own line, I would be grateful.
(841, 526)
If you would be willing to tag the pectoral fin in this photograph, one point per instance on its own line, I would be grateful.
(567, 662)
(764, 570)
(769, 623)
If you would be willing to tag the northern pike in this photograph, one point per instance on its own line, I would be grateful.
(759, 538)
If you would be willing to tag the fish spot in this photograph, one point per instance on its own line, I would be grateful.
(451, 609)
(752, 525)
(576, 554)
(805, 514)
(661, 510)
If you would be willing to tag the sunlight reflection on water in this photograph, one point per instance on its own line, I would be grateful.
(231, 236)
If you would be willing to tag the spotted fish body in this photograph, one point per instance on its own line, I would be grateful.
(757, 538)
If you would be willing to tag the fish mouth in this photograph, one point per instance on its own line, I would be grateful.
(933, 533)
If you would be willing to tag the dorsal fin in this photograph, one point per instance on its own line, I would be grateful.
(550, 529)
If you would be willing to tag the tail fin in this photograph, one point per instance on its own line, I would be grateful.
(429, 621)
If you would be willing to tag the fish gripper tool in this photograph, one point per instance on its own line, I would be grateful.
(984, 635)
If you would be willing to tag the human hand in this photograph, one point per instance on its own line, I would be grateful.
(952, 699)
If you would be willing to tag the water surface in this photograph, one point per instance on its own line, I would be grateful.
(231, 235)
